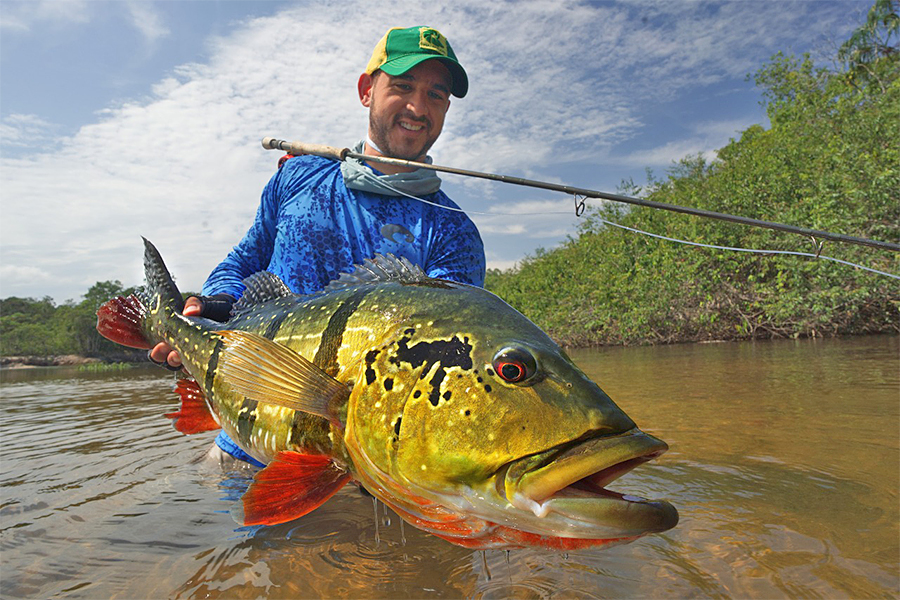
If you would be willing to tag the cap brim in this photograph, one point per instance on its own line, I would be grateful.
(402, 64)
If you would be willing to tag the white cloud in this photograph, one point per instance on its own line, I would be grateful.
(502, 264)
(707, 138)
(14, 278)
(22, 15)
(545, 219)
(17, 130)
(549, 82)
(147, 20)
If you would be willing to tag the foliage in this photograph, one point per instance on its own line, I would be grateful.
(30, 327)
(829, 161)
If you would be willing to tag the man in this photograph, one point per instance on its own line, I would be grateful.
(317, 217)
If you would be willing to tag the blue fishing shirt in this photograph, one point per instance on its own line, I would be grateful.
(310, 228)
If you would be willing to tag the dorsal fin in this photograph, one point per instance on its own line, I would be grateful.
(382, 267)
(261, 287)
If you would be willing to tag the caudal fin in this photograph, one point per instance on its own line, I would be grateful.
(159, 281)
(120, 320)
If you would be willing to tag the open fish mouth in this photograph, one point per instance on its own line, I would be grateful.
(565, 488)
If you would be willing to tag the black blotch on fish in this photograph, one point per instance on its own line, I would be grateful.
(448, 353)
(388, 384)
(447, 395)
(434, 396)
(370, 372)
(417, 394)
(468, 412)
(397, 426)
(487, 388)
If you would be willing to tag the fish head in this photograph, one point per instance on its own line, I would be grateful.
(476, 426)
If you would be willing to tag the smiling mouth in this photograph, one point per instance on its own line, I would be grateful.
(570, 483)
(411, 126)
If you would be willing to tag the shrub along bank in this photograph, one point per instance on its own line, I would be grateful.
(830, 161)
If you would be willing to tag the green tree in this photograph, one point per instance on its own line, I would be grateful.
(830, 160)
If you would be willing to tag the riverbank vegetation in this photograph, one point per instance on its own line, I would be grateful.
(40, 328)
(829, 161)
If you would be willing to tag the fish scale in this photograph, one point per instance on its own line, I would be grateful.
(437, 397)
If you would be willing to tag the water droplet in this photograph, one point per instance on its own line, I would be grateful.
(375, 506)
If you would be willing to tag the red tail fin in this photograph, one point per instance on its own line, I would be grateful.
(119, 320)
(194, 415)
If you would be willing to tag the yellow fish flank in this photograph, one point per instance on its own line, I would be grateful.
(437, 397)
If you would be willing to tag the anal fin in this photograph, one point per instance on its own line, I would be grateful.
(291, 486)
(194, 415)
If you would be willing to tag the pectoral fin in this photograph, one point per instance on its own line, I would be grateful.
(266, 371)
(292, 485)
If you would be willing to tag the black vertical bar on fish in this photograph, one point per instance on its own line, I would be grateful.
(326, 355)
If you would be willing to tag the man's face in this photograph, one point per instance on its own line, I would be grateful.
(406, 112)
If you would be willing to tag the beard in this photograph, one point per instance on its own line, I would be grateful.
(380, 130)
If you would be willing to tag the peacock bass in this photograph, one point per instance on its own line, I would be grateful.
(437, 397)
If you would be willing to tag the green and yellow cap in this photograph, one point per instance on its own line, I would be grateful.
(401, 49)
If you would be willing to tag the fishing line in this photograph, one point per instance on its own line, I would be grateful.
(580, 201)
(580, 195)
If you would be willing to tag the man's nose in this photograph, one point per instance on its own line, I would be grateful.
(417, 102)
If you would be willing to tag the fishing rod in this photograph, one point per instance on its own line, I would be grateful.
(341, 154)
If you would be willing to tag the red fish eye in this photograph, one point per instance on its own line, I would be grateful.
(514, 365)
(511, 371)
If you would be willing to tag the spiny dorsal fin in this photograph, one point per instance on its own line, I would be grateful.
(261, 287)
(266, 371)
(382, 267)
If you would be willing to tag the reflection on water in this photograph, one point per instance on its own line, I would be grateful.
(784, 465)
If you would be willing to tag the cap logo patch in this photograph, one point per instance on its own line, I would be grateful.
(431, 39)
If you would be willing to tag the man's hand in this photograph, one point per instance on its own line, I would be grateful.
(162, 353)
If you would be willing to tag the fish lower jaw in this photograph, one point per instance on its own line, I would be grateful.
(543, 508)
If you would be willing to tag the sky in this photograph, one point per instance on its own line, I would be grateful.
(121, 119)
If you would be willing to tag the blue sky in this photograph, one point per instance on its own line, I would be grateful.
(120, 119)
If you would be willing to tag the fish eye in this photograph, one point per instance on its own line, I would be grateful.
(514, 365)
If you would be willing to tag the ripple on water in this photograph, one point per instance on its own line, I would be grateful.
(784, 466)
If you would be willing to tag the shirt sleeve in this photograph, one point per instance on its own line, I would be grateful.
(457, 252)
(254, 252)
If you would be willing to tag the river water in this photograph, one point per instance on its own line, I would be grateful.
(784, 466)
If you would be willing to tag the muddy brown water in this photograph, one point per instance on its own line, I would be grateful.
(784, 465)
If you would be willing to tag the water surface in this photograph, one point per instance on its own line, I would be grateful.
(784, 466)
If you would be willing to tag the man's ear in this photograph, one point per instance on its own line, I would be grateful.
(364, 87)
